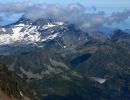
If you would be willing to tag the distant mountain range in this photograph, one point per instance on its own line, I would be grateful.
(64, 63)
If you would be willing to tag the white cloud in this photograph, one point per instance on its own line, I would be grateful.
(73, 13)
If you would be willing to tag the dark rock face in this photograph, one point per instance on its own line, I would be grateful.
(119, 36)
(14, 86)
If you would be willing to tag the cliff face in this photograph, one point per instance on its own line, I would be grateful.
(13, 87)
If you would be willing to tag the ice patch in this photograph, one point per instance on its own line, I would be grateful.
(20, 25)
(21, 94)
(49, 25)
(60, 23)
(3, 29)
(99, 80)
(50, 37)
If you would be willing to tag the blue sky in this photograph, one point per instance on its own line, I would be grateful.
(108, 6)
(98, 3)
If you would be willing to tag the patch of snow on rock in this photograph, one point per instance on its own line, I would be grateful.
(99, 80)
(49, 25)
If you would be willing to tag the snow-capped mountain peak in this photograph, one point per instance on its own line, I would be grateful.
(28, 33)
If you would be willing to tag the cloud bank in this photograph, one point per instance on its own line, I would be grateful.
(73, 13)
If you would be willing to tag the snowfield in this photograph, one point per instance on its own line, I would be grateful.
(27, 33)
